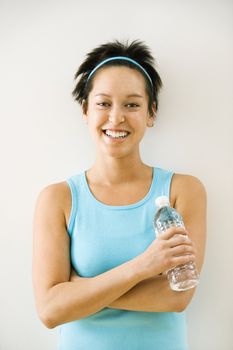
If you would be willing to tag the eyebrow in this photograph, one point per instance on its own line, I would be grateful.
(131, 95)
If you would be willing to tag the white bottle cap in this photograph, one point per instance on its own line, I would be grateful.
(162, 201)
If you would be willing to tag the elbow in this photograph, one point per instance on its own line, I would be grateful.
(47, 319)
(48, 323)
(181, 307)
(47, 309)
(182, 303)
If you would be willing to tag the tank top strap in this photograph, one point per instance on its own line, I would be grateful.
(162, 182)
(76, 186)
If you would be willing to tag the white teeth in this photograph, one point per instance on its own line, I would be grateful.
(116, 134)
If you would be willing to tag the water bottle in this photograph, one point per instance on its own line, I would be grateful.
(181, 277)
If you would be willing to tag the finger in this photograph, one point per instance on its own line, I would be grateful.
(169, 233)
(178, 240)
(182, 260)
(182, 250)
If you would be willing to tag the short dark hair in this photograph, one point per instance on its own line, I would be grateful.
(136, 50)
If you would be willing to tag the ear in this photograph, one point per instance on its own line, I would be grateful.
(152, 116)
(84, 110)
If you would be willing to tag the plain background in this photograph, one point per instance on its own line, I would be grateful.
(44, 140)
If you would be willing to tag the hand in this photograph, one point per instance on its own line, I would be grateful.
(170, 249)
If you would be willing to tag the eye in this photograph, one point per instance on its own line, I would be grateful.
(132, 105)
(103, 104)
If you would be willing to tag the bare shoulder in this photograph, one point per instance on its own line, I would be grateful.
(187, 187)
(56, 191)
(188, 196)
(55, 197)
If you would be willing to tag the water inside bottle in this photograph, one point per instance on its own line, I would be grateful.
(183, 277)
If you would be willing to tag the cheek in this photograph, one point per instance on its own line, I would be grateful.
(95, 117)
(98, 113)
(95, 124)
(139, 120)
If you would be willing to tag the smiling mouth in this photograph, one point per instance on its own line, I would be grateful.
(116, 134)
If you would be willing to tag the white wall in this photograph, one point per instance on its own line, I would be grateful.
(43, 137)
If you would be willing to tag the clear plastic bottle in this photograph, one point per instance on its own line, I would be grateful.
(181, 277)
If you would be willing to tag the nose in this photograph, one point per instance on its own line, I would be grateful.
(116, 116)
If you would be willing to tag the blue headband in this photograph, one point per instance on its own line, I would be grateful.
(120, 58)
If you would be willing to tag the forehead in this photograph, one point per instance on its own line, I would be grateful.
(120, 78)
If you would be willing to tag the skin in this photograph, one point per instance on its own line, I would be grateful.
(116, 163)
(118, 177)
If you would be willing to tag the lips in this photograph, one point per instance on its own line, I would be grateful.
(116, 130)
(116, 133)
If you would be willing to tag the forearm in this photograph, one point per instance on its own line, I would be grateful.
(153, 295)
(69, 301)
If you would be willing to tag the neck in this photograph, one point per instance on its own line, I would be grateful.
(110, 170)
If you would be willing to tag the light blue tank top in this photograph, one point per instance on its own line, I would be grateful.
(103, 237)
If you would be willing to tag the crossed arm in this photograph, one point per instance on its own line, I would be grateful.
(150, 295)
(63, 297)
(154, 294)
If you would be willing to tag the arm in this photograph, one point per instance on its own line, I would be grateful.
(189, 198)
(151, 295)
(59, 300)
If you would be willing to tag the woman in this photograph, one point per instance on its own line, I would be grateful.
(98, 270)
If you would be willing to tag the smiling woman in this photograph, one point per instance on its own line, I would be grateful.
(98, 269)
(117, 110)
